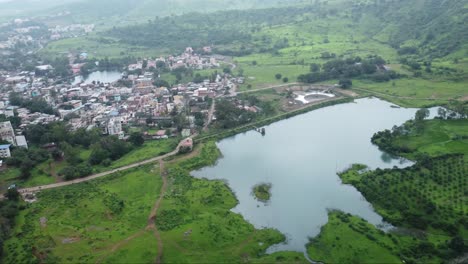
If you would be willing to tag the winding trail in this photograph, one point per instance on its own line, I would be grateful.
(151, 224)
(154, 213)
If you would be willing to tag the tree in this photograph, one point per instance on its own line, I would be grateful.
(314, 67)
(278, 76)
(442, 112)
(25, 168)
(136, 139)
(254, 63)
(12, 194)
(457, 244)
(285, 79)
(345, 83)
(227, 70)
(421, 114)
(419, 117)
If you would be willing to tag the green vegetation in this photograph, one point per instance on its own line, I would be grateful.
(262, 192)
(105, 221)
(428, 197)
(197, 223)
(436, 137)
(428, 58)
(350, 239)
(84, 222)
(72, 155)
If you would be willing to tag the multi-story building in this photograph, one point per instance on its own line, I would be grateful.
(5, 151)
(7, 133)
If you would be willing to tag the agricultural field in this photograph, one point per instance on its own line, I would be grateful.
(428, 195)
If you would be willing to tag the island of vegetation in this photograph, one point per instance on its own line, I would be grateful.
(262, 192)
(425, 202)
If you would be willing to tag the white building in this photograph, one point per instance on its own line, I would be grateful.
(7, 133)
(21, 142)
(114, 126)
(5, 151)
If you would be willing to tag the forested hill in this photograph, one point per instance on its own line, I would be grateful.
(130, 11)
(435, 27)
(429, 28)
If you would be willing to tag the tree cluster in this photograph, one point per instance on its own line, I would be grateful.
(346, 69)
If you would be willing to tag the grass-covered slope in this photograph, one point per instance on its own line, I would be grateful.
(350, 239)
(87, 222)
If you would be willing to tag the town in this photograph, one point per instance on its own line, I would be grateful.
(137, 98)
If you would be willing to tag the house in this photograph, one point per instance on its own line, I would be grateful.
(7, 133)
(5, 151)
(186, 133)
(114, 126)
(21, 142)
(186, 145)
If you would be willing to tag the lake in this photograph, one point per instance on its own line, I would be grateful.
(101, 76)
(300, 157)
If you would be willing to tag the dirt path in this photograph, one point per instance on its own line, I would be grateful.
(397, 96)
(151, 225)
(269, 87)
(154, 213)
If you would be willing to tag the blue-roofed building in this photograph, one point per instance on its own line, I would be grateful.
(5, 151)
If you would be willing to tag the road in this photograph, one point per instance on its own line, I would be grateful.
(397, 96)
(210, 115)
(271, 87)
(99, 175)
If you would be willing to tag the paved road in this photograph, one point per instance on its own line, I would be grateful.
(99, 175)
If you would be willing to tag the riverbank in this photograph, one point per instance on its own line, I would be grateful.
(231, 132)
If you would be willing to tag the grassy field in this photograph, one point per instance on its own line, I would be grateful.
(150, 149)
(84, 222)
(350, 239)
(96, 48)
(438, 137)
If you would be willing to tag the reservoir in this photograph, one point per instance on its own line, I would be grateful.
(300, 157)
(101, 76)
